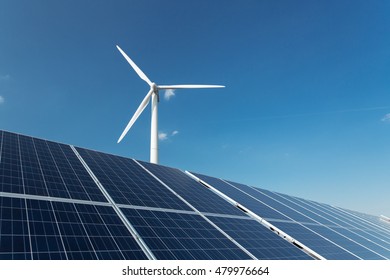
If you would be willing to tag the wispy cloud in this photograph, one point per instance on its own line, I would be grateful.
(5, 77)
(386, 118)
(163, 136)
(1, 100)
(169, 93)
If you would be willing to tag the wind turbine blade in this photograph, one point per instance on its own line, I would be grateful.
(135, 67)
(189, 86)
(137, 113)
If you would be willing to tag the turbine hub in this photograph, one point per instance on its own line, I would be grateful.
(154, 87)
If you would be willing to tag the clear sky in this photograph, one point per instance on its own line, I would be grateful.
(305, 111)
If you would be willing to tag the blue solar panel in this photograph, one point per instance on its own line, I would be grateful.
(249, 202)
(322, 246)
(345, 242)
(39, 229)
(315, 221)
(38, 167)
(262, 195)
(11, 173)
(259, 240)
(349, 226)
(196, 194)
(367, 218)
(340, 230)
(14, 232)
(51, 208)
(182, 236)
(366, 239)
(128, 183)
(341, 219)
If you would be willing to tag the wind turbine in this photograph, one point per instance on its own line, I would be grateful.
(152, 94)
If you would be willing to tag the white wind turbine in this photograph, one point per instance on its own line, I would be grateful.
(152, 94)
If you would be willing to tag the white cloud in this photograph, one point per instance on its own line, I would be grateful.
(169, 93)
(386, 118)
(162, 136)
(1, 99)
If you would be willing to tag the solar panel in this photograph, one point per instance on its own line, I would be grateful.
(62, 202)
(171, 235)
(94, 232)
(38, 167)
(14, 232)
(291, 213)
(354, 229)
(197, 195)
(128, 183)
(258, 239)
(242, 198)
(40, 229)
(316, 242)
(328, 230)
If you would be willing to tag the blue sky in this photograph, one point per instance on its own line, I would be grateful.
(305, 111)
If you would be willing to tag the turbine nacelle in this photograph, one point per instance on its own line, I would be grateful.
(154, 87)
(154, 95)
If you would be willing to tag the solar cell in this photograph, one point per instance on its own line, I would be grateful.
(128, 183)
(40, 229)
(14, 231)
(38, 167)
(369, 241)
(193, 192)
(345, 242)
(346, 225)
(322, 246)
(11, 173)
(343, 220)
(262, 195)
(242, 198)
(52, 208)
(259, 240)
(172, 235)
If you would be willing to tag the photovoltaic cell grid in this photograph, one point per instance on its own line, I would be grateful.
(358, 237)
(39, 229)
(182, 236)
(258, 239)
(197, 195)
(42, 214)
(242, 198)
(310, 221)
(38, 167)
(128, 183)
(341, 219)
(327, 234)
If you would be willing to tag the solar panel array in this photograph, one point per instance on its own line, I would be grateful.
(58, 201)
